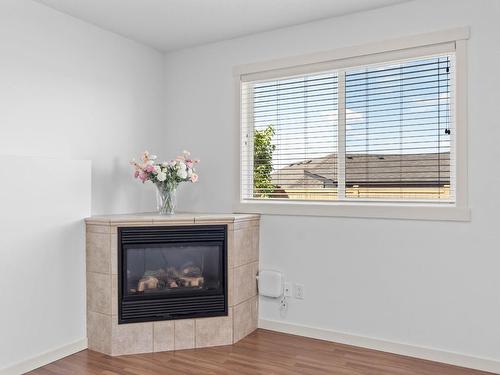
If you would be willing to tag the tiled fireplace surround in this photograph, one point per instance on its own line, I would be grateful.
(104, 333)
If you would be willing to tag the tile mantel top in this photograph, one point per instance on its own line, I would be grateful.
(151, 217)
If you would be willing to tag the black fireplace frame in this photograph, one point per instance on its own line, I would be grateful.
(191, 304)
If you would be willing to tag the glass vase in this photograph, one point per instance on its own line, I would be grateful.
(166, 198)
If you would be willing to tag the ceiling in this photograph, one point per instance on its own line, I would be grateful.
(173, 24)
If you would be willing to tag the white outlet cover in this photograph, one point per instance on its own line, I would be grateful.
(298, 291)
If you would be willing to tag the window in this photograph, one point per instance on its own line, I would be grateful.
(398, 133)
(295, 138)
(376, 128)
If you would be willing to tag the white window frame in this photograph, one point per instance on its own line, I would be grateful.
(396, 49)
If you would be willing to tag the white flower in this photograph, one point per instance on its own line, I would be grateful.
(164, 164)
(182, 173)
(157, 169)
(161, 176)
(189, 172)
(181, 166)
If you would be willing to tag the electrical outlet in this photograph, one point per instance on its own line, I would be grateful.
(287, 292)
(283, 304)
(298, 290)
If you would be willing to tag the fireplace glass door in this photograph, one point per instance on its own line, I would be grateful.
(158, 270)
(171, 272)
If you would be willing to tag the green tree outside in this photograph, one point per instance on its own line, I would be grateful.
(262, 161)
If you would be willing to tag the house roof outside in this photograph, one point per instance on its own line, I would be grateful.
(368, 170)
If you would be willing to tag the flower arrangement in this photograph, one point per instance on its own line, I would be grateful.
(166, 176)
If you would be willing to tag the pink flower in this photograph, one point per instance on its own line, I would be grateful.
(194, 177)
(189, 163)
(136, 174)
(143, 177)
(150, 168)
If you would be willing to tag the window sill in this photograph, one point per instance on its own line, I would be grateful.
(378, 210)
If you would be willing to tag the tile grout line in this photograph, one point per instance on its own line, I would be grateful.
(110, 253)
(111, 294)
(232, 321)
(246, 264)
(102, 273)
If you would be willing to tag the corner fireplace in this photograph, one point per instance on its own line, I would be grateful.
(174, 272)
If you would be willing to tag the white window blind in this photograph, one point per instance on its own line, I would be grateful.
(375, 132)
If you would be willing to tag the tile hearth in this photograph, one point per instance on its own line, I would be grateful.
(104, 333)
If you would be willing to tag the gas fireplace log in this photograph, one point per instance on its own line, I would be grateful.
(192, 281)
(190, 270)
(148, 282)
(172, 283)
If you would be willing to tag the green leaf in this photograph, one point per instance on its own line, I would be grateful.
(263, 167)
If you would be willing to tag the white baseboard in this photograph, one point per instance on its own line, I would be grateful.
(45, 358)
(457, 359)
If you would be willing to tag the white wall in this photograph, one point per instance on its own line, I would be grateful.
(42, 267)
(424, 283)
(68, 90)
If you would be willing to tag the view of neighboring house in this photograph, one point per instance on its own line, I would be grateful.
(418, 176)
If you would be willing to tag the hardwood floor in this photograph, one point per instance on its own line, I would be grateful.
(263, 352)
